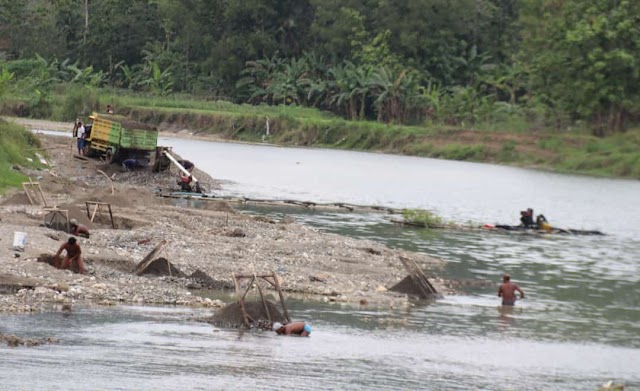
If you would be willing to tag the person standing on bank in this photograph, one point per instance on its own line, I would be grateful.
(508, 291)
(80, 135)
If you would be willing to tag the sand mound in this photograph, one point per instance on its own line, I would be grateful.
(17, 199)
(205, 280)
(78, 214)
(231, 314)
(123, 196)
(162, 267)
(408, 286)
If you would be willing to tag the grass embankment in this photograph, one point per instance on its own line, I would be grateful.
(16, 147)
(512, 143)
(570, 152)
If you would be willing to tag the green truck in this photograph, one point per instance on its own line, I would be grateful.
(118, 138)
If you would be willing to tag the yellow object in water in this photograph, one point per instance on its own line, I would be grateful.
(545, 226)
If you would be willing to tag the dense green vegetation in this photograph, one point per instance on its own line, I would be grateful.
(546, 63)
(16, 147)
(423, 218)
(432, 78)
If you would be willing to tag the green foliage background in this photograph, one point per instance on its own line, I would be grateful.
(16, 145)
(552, 64)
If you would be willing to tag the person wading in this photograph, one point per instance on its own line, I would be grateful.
(508, 291)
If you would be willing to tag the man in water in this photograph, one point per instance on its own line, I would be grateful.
(296, 328)
(508, 291)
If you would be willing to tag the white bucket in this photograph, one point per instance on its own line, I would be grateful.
(19, 240)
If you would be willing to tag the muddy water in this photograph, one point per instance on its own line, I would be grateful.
(578, 327)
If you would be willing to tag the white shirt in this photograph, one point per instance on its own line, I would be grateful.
(81, 132)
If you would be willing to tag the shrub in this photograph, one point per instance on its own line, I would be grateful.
(79, 101)
(423, 217)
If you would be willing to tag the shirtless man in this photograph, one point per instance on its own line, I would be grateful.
(73, 254)
(508, 291)
(296, 328)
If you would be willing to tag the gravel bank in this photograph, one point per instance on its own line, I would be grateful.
(215, 241)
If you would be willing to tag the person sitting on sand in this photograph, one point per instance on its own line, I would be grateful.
(295, 328)
(508, 291)
(74, 255)
(78, 229)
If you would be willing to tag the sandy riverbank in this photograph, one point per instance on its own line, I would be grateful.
(215, 241)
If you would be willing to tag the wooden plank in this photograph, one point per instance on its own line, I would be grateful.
(418, 277)
(150, 257)
(95, 209)
(241, 276)
(24, 186)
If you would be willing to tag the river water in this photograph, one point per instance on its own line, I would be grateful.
(578, 327)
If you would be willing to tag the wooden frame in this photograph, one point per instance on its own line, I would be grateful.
(27, 185)
(272, 279)
(97, 207)
(63, 212)
(418, 277)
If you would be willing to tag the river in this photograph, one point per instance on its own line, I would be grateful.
(577, 328)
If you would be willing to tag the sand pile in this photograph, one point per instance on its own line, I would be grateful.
(162, 267)
(19, 198)
(123, 196)
(77, 213)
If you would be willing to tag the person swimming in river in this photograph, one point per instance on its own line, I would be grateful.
(526, 218)
(295, 328)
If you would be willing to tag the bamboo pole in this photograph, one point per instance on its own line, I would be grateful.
(24, 186)
(180, 167)
(264, 302)
(284, 308)
(248, 288)
(240, 300)
(110, 180)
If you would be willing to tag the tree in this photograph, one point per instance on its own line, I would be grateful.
(586, 57)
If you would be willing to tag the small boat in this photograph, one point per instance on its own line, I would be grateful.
(552, 230)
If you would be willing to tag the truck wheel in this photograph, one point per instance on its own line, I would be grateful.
(108, 156)
(87, 149)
